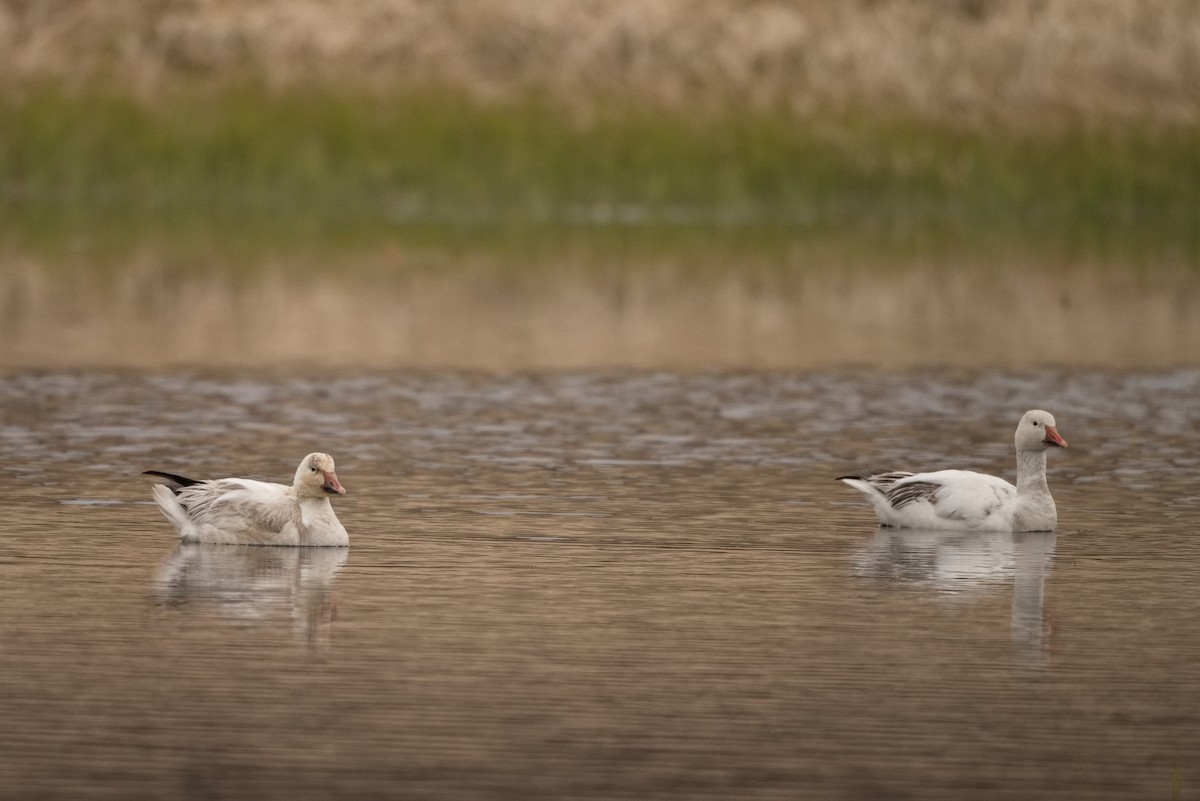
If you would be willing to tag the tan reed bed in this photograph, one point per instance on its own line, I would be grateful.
(1023, 62)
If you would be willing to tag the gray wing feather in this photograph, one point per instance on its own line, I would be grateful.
(904, 494)
(880, 479)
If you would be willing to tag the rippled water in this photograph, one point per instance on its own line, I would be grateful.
(598, 585)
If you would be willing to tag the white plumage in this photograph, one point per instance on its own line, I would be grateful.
(962, 499)
(242, 511)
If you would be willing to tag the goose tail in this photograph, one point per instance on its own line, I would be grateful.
(172, 509)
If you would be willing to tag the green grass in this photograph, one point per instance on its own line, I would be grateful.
(242, 168)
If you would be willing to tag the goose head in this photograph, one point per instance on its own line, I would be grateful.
(1036, 432)
(315, 477)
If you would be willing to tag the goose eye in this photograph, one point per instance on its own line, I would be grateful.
(313, 468)
(1035, 422)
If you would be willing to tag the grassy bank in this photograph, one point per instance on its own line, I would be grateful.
(256, 168)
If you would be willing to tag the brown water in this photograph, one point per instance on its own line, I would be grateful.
(599, 585)
(595, 312)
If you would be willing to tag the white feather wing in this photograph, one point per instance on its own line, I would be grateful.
(963, 495)
(258, 510)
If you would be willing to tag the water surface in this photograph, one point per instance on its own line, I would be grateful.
(801, 309)
(599, 585)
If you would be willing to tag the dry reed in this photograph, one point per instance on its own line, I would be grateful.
(1022, 62)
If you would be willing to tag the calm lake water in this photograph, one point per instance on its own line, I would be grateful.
(599, 585)
(589, 311)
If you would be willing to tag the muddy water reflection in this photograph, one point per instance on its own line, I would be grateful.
(1015, 312)
(260, 586)
(972, 562)
(599, 585)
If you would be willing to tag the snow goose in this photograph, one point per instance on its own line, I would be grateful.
(241, 511)
(962, 499)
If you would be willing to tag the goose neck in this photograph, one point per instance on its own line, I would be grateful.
(1031, 471)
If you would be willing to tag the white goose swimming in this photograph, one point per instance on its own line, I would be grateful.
(241, 511)
(962, 499)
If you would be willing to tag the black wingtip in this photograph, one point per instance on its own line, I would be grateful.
(180, 480)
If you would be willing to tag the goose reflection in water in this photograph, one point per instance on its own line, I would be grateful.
(260, 586)
(972, 561)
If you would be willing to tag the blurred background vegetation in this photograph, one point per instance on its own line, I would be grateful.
(725, 134)
(898, 126)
